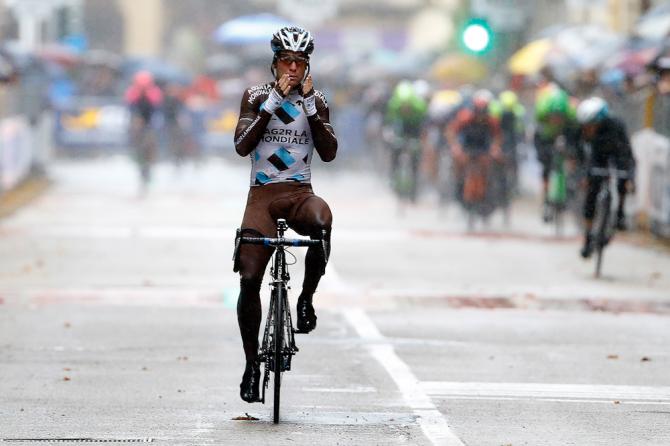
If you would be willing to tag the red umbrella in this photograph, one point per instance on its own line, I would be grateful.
(59, 54)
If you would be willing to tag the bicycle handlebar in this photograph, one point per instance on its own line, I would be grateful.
(605, 172)
(267, 241)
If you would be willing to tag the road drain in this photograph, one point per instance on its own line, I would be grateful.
(76, 440)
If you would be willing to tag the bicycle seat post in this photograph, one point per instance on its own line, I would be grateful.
(281, 227)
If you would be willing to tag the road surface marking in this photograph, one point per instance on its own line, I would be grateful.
(432, 422)
(340, 390)
(546, 392)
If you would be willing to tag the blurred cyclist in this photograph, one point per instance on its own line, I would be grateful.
(555, 116)
(608, 141)
(144, 98)
(474, 137)
(281, 124)
(442, 109)
(510, 113)
(404, 122)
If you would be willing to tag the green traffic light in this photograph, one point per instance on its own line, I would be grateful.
(477, 36)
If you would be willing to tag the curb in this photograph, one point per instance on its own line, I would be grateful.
(27, 191)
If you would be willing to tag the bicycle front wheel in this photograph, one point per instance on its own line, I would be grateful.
(278, 347)
(602, 229)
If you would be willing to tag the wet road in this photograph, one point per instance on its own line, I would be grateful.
(117, 322)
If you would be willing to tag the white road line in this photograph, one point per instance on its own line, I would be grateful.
(340, 390)
(432, 422)
(540, 391)
(552, 400)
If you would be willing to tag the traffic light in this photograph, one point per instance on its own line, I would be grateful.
(477, 36)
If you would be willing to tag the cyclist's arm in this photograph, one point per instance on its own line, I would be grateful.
(323, 134)
(251, 125)
(453, 133)
(496, 133)
(624, 150)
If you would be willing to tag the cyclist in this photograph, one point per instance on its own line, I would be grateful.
(280, 125)
(406, 113)
(474, 137)
(555, 116)
(608, 141)
(144, 98)
(510, 113)
(442, 109)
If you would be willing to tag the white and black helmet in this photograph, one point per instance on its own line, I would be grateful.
(292, 38)
(592, 110)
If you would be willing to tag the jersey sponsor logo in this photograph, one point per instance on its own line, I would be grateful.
(258, 90)
(287, 113)
(321, 96)
(282, 159)
(286, 136)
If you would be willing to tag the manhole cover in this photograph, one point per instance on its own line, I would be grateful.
(77, 440)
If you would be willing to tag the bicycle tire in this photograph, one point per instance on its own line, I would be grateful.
(559, 222)
(278, 348)
(601, 231)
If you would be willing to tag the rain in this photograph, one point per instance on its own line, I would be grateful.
(423, 222)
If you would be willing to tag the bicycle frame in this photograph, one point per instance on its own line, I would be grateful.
(603, 228)
(278, 346)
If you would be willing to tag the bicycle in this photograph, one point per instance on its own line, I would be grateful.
(557, 192)
(406, 175)
(144, 145)
(475, 191)
(278, 346)
(604, 224)
(405, 155)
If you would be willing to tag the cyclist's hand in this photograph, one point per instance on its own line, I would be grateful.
(584, 184)
(308, 86)
(459, 155)
(630, 186)
(283, 85)
(496, 153)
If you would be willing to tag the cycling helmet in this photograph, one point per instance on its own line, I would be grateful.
(508, 100)
(143, 78)
(481, 100)
(404, 91)
(292, 38)
(592, 110)
(421, 88)
(553, 100)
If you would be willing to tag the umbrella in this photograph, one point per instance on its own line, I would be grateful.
(458, 68)
(655, 24)
(585, 47)
(103, 58)
(531, 58)
(249, 29)
(161, 70)
(58, 54)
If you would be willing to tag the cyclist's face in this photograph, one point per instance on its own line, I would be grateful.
(589, 130)
(292, 63)
(556, 119)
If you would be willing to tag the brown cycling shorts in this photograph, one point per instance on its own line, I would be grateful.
(266, 204)
(305, 213)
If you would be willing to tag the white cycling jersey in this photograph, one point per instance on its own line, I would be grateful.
(284, 153)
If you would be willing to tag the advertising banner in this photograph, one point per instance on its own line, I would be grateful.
(16, 153)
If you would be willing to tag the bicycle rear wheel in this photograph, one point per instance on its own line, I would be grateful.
(279, 293)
